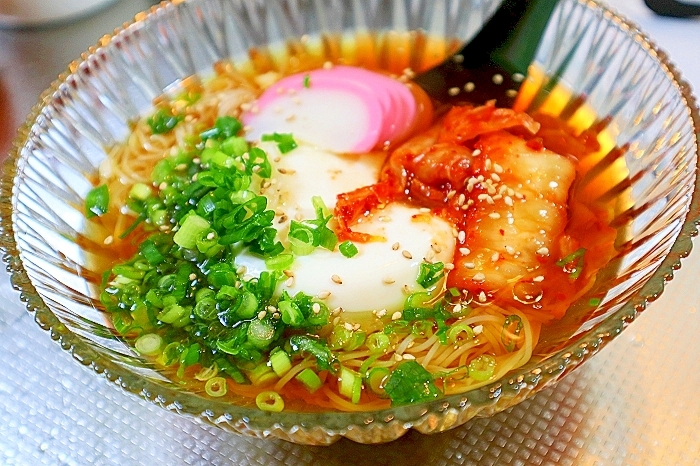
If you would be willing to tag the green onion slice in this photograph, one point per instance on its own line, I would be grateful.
(216, 387)
(269, 401)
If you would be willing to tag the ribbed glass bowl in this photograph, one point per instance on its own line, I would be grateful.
(609, 65)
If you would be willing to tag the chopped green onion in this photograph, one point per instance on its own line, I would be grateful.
(235, 146)
(122, 322)
(207, 373)
(279, 262)
(309, 379)
(307, 81)
(149, 344)
(140, 192)
(346, 382)
(280, 362)
(453, 291)
(163, 121)
(325, 359)
(171, 353)
(482, 368)
(151, 253)
(191, 229)
(460, 331)
(172, 314)
(510, 333)
(225, 127)
(269, 401)
(340, 337)
(429, 274)
(419, 300)
(216, 387)
(97, 201)
(285, 141)
(291, 314)
(409, 383)
(378, 342)
(348, 249)
(423, 328)
(573, 263)
(377, 379)
(261, 333)
(262, 375)
(594, 302)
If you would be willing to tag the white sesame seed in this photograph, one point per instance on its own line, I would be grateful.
(457, 308)
(451, 194)
(109, 240)
(495, 256)
(262, 314)
(461, 199)
(511, 220)
(519, 196)
(453, 91)
(495, 177)
(476, 152)
(336, 279)
(395, 246)
(464, 251)
(289, 282)
(478, 329)
(494, 215)
(316, 308)
(396, 315)
(461, 236)
(508, 200)
(241, 270)
(406, 254)
(482, 297)
(409, 357)
(424, 210)
(497, 168)
(381, 313)
(406, 289)
(490, 200)
(337, 310)
(348, 326)
(323, 294)
(271, 309)
(487, 164)
(388, 280)
(469, 86)
(497, 79)
(449, 266)
(479, 277)
(538, 279)
(542, 252)
(510, 250)
(436, 248)
(469, 265)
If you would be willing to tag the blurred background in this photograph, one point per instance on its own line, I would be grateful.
(635, 403)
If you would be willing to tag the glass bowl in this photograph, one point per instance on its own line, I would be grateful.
(616, 79)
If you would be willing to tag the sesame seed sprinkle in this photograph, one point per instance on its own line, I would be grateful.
(476, 152)
(482, 297)
(109, 240)
(323, 294)
(538, 279)
(495, 256)
(479, 277)
(469, 265)
(542, 252)
(407, 254)
(395, 246)
(336, 279)
(409, 357)
(449, 266)
(461, 236)
(494, 215)
(396, 315)
(388, 280)
(464, 251)
(262, 314)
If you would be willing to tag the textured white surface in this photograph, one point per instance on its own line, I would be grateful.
(633, 404)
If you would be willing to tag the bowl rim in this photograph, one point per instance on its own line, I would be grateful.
(523, 383)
